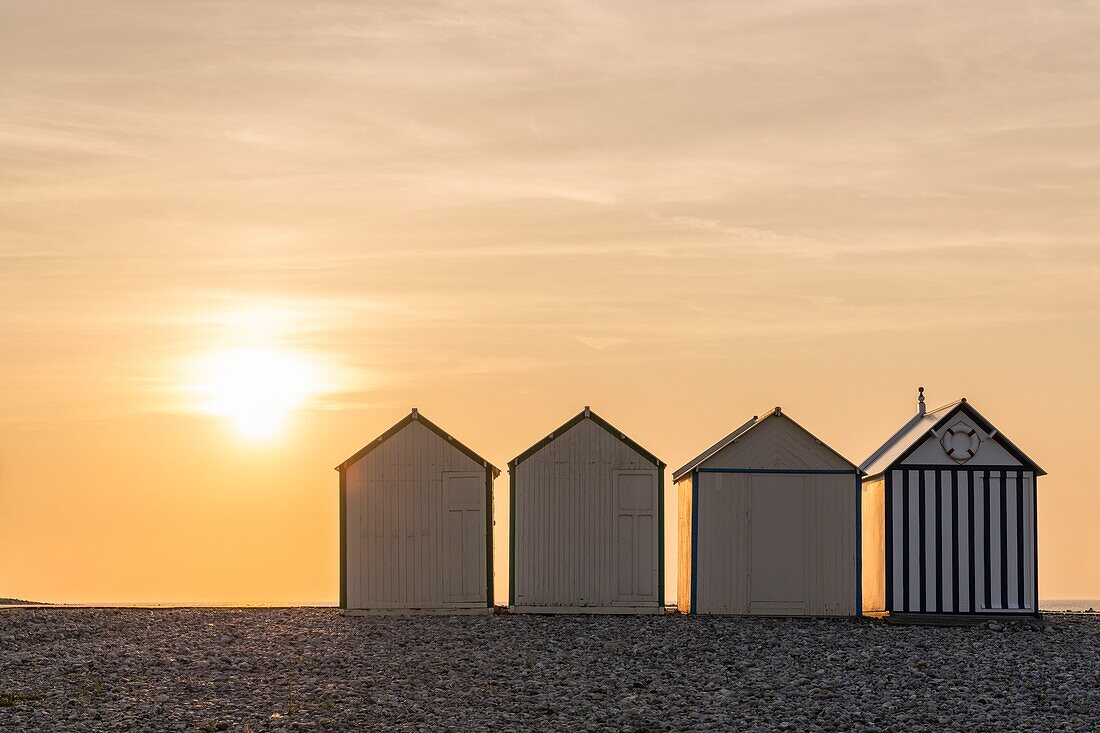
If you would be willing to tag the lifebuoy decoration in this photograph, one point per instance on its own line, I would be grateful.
(961, 442)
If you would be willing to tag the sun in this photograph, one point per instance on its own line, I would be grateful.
(255, 389)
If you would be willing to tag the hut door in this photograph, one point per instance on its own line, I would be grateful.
(635, 537)
(777, 555)
(463, 537)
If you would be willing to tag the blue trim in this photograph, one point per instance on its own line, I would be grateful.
(694, 542)
(889, 503)
(859, 546)
(1004, 540)
(797, 471)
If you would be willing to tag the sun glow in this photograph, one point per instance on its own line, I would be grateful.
(256, 388)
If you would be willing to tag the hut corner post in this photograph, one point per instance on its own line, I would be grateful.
(660, 536)
(859, 543)
(343, 540)
(693, 590)
(512, 535)
(489, 600)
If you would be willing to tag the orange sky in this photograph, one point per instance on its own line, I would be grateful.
(680, 214)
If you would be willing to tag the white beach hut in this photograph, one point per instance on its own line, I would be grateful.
(769, 524)
(587, 522)
(416, 523)
(949, 506)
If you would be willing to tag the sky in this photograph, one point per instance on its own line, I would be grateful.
(680, 214)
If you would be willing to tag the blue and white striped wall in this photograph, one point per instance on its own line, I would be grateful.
(961, 540)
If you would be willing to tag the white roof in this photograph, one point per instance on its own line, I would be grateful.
(910, 432)
(919, 426)
(687, 467)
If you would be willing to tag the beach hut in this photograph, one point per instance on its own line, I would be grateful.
(769, 524)
(416, 523)
(949, 518)
(587, 522)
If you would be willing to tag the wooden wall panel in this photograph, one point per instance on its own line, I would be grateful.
(395, 520)
(564, 543)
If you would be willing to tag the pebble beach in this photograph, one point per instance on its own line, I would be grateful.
(313, 669)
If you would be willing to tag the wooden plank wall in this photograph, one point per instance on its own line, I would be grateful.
(394, 521)
(724, 543)
(564, 554)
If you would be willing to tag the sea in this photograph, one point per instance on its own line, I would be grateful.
(1072, 604)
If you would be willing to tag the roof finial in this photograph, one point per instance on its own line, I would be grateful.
(416, 413)
(920, 400)
(587, 410)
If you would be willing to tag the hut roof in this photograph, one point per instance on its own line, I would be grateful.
(589, 414)
(912, 433)
(742, 430)
(415, 415)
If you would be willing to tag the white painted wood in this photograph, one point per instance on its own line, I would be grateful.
(398, 525)
(898, 538)
(930, 451)
(768, 542)
(945, 590)
(914, 542)
(463, 537)
(930, 588)
(635, 536)
(966, 601)
(777, 442)
(777, 572)
(566, 537)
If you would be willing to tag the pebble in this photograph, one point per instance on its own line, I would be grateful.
(201, 670)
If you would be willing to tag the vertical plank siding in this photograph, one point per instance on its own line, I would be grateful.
(726, 525)
(960, 540)
(808, 497)
(392, 552)
(565, 522)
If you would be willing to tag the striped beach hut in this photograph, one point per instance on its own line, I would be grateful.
(769, 524)
(949, 506)
(416, 523)
(587, 522)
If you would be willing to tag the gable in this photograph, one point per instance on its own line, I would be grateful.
(595, 428)
(778, 442)
(415, 418)
(412, 445)
(962, 441)
(960, 437)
